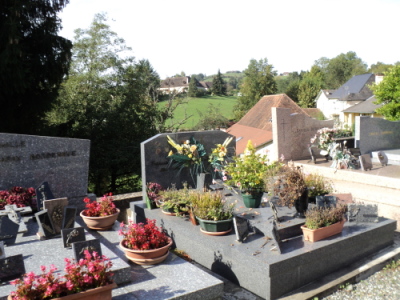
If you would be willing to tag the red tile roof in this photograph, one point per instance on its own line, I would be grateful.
(244, 133)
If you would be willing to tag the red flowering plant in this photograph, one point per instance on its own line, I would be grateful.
(153, 190)
(19, 196)
(142, 236)
(102, 208)
(90, 272)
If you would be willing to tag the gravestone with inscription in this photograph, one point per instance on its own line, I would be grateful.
(72, 235)
(55, 209)
(69, 217)
(46, 228)
(80, 247)
(43, 192)
(362, 213)
(11, 267)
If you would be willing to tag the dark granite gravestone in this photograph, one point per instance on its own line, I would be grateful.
(72, 235)
(362, 213)
(43, 192)
(365, 162)
(8, 230)
(241, 227)
(325, 201)
(11, 267)
(55, 209)
(80, 247)
(383, 159)
(2, 251)
(69, 217)
(45, 224)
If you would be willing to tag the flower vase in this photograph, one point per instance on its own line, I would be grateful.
(146, 257)
(100, 223)
(301, 205)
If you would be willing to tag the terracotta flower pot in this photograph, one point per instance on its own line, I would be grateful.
(100, 223)
(100, 293)
(147, 257)
(314, 235)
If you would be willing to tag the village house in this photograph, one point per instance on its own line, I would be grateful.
(180, 85)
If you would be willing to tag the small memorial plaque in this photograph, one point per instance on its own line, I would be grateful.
(11, 267)
(80, 247)
(45, 224)
(241, 226)
(55, 209)
(325, 201)
(365, 162)
(69, 217)
(72, 235)
(2, 251)
(361, 213)
(8, 230)
(43, 192)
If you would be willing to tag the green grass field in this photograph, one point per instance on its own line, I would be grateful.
(194, 105)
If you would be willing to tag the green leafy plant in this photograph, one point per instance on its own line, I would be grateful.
(317, 185)
(322, 217)
(210, 206)
(247, 172)
(175, 200)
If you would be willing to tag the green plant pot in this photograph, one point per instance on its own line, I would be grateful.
(215, 226)
(150, 204)
(252, 199)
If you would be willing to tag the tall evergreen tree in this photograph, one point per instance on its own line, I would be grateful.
(193, 89)
(218, 85)
(33, 62)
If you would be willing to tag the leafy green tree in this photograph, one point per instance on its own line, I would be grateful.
(289, 85)
(218, 85)
(211, 119)
(379, 68)
(258, 82)
(107, 98)
(33, 62)
(388, 93)
(310, 86)
(193, 89)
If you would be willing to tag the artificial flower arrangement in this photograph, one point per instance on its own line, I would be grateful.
(102, 208)
(247, 172)
(90, 272)
(189, 154)
(325, 137)
(218, 159)
(142, 236)
(153, 190)
(19, 196)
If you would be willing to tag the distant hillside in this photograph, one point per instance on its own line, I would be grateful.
(226, 76)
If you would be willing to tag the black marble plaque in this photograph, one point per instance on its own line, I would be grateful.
(72, 235)
(362, 213)
(325, 201)
(45, 224)
(69, 217)
(8, 230)
(80, 247)
(2, 251)
(11, 267)
(43, 192)
(241, 226)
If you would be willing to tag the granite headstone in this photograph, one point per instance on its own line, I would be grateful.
(69, 217)
(45, 224)
(11, 267)
(55, 209)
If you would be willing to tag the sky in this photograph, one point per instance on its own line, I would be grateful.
(211, 35)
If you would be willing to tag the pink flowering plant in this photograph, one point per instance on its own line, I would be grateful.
(102, 208)
(90, 272)
(142, 236)
(19, 196)
(153, 190)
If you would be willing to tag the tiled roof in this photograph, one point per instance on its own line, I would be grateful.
(244, 133)
(364, 107)
(260, 116)
(356, 88)
(313, 112)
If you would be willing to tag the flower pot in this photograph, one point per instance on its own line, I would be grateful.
(100, 293)
(215, 227)
(192, 217)
(170, 211)
(252, 199)
(100, 223)
(314, 235)
(147, 257)
(301, 205)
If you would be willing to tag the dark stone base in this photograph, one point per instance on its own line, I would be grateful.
(256, 264)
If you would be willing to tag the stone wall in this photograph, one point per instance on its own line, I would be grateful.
(373, 134)
(28, 161)
(292, 133)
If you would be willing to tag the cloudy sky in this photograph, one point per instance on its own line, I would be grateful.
(204, 36)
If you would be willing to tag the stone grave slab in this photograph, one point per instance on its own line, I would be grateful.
(2, 251)
(8, 230)
(72, 235)
(46, 228)
(43, 192)
(11, 267)
(55, 209)
(362, 213)
(365, 162)
(80, 247)
(69, 216)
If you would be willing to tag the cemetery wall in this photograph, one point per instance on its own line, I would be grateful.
(154, 156)
(292, 133)
(373, 134)
(28, 161)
